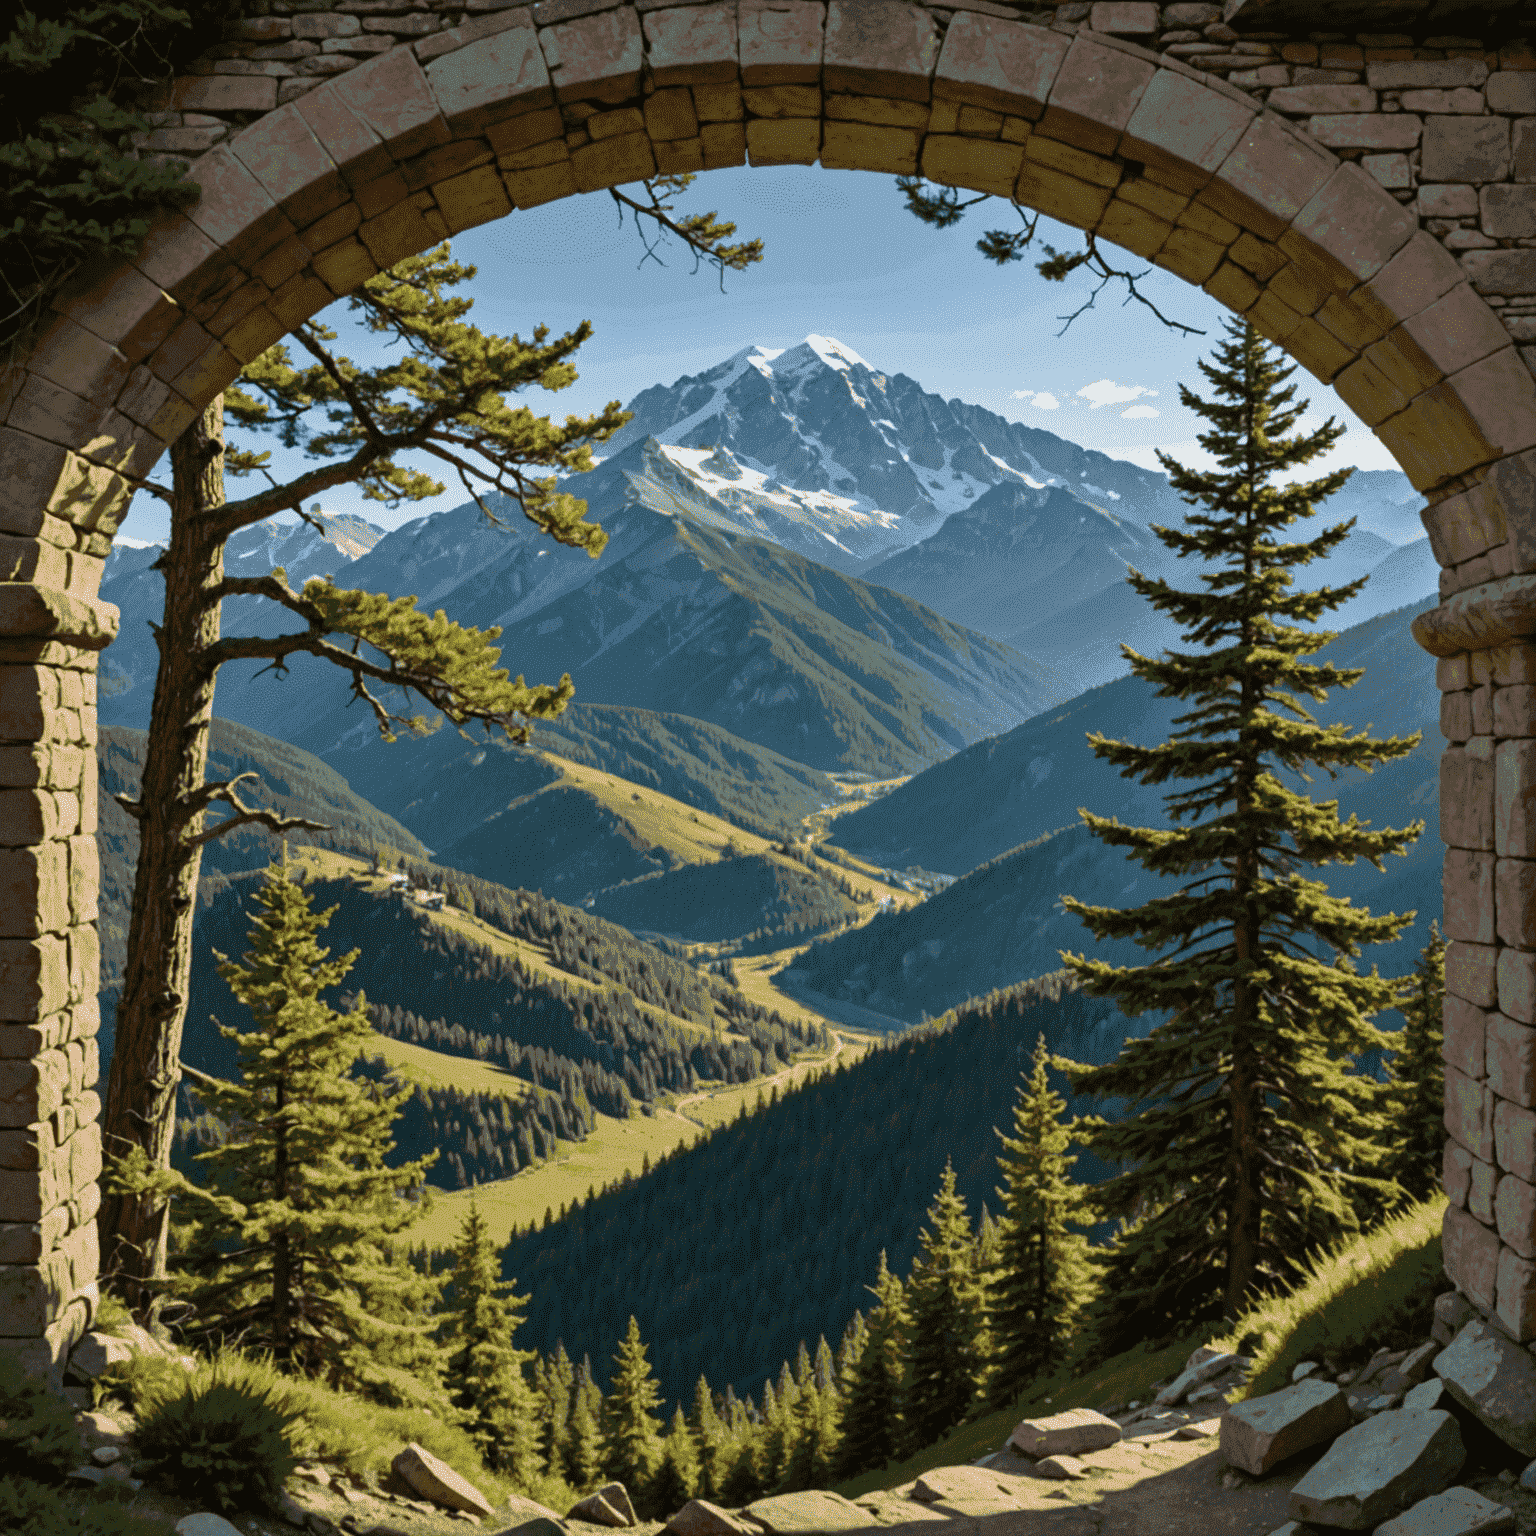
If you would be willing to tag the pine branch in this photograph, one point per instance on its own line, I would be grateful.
(245, 815)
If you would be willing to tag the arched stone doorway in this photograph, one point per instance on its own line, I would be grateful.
(322, 179)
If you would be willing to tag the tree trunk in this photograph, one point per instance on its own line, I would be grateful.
(141, 1092)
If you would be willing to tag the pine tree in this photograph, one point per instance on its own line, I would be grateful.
(554, 1381)
(1241, 1159)
(1038, 1282)
(583, 1462)
(873, 1399)
(290, 1246)
(945, 1367)
(484, 1374)
(629, 1427)
(1416, 1078)
(708, 1439)
(677, 1472)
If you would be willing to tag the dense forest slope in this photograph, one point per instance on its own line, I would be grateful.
(733, 1250)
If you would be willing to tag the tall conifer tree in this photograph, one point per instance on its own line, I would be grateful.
(630, 1427)
(709, 1437)
(290, 1244)
(1416, 1078)
(1241, 1156)
(945, 1365)
(872, 1404)
(1041, 1278)
(484, 1372)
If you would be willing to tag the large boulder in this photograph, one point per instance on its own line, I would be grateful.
(1069, 1433)
(701, 1518)
(798, 1514)
(437, 1481)
(1264, 1431)
(967, 1484)
(1456, 1512)
(609, 1505)
(1495, 1379)
(1378, 1469)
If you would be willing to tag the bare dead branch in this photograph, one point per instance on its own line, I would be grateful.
(245, 815)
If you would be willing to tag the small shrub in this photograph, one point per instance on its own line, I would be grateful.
(38, 1510)
(220, 1439)
(38, 1437)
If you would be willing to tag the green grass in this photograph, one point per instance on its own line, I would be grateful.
(1376, 1290)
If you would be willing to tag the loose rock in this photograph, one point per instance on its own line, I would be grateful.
(1061, 1467)
(1198, 1431)
(205, 1524)
(701, 1518)
(815, 1510)
(1495, 1379)
(1380, 1468)
(1456, 1512)
(1067, 1433)
(437, 1481)
(1264, 1431)
(608, 1505)
(1196, 1373)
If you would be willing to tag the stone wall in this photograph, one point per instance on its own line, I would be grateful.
(1367, 200)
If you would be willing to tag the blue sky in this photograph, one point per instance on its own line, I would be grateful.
(844, 259)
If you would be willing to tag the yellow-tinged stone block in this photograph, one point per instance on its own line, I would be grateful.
(1295, 287)
(1233, 287)
(1058, 195)
(723, 144)
(552, 153)
(345, 266)
(1357, 326)
(1256, 256)
(678, 155)
(1369, 393)
(944, 116)
(1200, 216)
(1434, 439)
(1134, 228)
(520, 133)
(476, 197)
(869, 147)
(300, 297)
(1071, 162)
(784, 141)
(542, 184)
(1272, 318)
(978, 123)
(1015, 130)
(782, 101)
(610, 125)
(1192, 255)
(877, 109)
(669, 115)
(953, 161)
(1318, 350)
(718, 104)
(613, 162)
(397, 233)
(261, 329)
(1158, 201)
(1402, 360)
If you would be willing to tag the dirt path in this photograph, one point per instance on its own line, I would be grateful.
(762, 1082)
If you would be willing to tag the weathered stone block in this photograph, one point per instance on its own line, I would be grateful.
(1180, 122)
(1456, 1173)
(1517, 1295)
(1366, 130)
(595, 58)
(1304, 100)
(866, 146)
(436, 1480)
(1437, 74)
(488, 80)
(1508, 211)
(1474, 149)
(794, 141)
(1378, 1469)
(1462, 1038)
(1511, 1059)
(1517, 984)
(1505, 273)
(1481, 1191)
(1095, 94)
(1493, 1378)
(1469, 1113)
(1124, 18)
(1514, 1208)
(1515, 894)
(1004, 65)
(1467, 795)
(695, 44)
(973, 163)
(780, 42)
(880, 48)
(1456, 330)
(1450, 201)
(1514, 1139)
(1514, 814)
(1512, 91)
(1469, 900)
(1260, 1433)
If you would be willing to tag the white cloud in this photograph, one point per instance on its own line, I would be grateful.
(1023, 394)
(1045, 401)
(1107, 392)
(1138, 411)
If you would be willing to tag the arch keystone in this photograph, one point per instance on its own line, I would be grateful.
(780, 41)
(879, 48)
(595, 58)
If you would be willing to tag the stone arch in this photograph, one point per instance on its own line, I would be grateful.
(332, 180)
